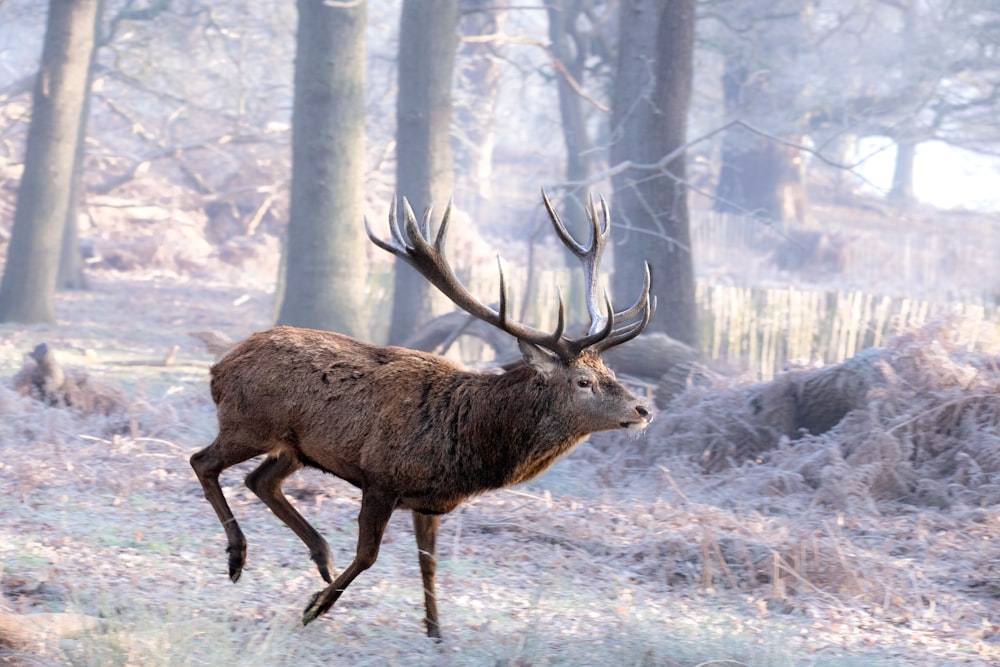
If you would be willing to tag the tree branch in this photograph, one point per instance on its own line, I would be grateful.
(661, 164)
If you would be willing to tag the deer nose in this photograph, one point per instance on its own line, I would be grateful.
(642, 411)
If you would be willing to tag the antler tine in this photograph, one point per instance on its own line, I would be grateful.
(641, 302)
(502, 309)
(414, 234)
(395, 245)
(646, 305)
(575, 246)
(376, 240)
(443, 229)
(561, 321)
(553, 341)
(425, 222)
(394, 229)
(630, 331)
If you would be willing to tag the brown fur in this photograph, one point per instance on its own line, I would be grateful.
(411, 429)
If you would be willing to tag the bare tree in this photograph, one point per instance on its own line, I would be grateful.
(424, 167)
(909, 71)
(29, 281)
(325, 246)
(651, 100)
(959, 89)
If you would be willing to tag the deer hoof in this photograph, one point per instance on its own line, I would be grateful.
(237, 558)
(312, 609)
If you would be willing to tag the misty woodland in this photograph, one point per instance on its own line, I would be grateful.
(454, 332)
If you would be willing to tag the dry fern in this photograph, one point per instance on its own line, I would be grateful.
(916, 422)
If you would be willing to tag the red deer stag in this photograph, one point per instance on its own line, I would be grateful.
(411, 429)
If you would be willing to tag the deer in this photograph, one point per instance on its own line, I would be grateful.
(413, 430)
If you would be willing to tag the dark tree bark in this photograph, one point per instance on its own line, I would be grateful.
(571, 55)
(325, 246)
(480, 77)
(570, 51)
(29, 281)
(901, 191)
(71, 274)
(424, 166)
(651, 99)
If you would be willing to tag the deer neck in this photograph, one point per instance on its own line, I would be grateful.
(514, 429)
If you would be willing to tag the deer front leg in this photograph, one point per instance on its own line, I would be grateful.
(376, 508)
(426, 528)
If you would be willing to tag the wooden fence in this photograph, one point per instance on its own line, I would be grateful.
(764, 330)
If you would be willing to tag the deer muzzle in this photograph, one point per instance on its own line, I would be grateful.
(642, 418)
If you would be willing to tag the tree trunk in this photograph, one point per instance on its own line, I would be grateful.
(731, 190)
(481, 80)
(902, 175)
(29, 281)
(763, 178)
(325, 245)
(424, 166)
(901, 191)
(571, 55)
(71, 274)
(649, 121)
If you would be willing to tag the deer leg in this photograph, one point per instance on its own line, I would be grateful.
(426, 528)
(207, 464)
(266, 482)
(376, 508)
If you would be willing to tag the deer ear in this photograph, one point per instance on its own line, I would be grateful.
(538, 358)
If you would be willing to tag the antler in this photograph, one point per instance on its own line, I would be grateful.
(413, 245)
(602, 334)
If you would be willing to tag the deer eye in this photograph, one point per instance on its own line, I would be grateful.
(583, 384)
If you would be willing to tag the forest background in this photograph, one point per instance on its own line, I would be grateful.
(224, 171)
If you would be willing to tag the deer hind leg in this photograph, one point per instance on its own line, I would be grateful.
(266, 482)
(376, 508)
(426, 528)
(207, 464)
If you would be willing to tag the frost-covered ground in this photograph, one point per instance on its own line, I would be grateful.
(875, 544)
